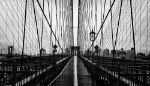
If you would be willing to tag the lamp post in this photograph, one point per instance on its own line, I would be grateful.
(92, 38)
(96, 51)
(54, 51)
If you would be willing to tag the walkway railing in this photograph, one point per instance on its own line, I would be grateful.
(121, 72)
(31, 72)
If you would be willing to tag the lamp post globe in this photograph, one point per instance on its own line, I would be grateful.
(92, 35)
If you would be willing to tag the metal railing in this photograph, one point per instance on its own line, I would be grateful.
(15, 74)
(121, 72)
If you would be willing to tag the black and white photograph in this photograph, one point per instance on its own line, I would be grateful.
(74, 42)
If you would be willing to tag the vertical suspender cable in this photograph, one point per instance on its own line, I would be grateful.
(112, 41)
(133, 34)
(37, 29)
(92, 14)
(102, 35)
(147, 28)
(56, 19)
(51, 22)
(140, 23)
(36, 24)
(18, 25)
(42, 36)
(42, 28)
(96, 15)
(50, 17)
(72, 21)
(24, 33)
(118, 25)
(112, 28)
(78, 22)
(116, 36)
(101, 23)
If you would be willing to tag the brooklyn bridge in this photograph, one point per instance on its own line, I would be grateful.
(74, 43)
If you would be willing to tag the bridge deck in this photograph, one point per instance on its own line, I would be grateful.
(68, 75)
(84, 76)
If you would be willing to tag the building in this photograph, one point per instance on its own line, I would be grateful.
(106, 52)
(43, 51)
(67, 51)
(119, 53)
(130, 53)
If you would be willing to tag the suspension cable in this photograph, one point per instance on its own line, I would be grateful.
(105, 18)
(118, 25)
(147, 28)
(104, 21)
(133, 34)
(112, 27)
(42, 27)
(49, 25)
(24, 32)
(102, 36)
(101, 23)
(37, 32)
(36, 24)
(102, 17)
(50, 17)
(56, 19)
(96, 14)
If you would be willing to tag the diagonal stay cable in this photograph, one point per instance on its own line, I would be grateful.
(49, 25)
(104, 21)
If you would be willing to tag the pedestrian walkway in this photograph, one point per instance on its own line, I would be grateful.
(66, 76)
(75, 73)
(84, 76)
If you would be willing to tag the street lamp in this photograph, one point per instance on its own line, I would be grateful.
(92, 35)
(92, 38)
(96, 50)
(54, 51)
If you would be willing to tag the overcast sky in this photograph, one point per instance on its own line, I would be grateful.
(12, 21)
(75, 20)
